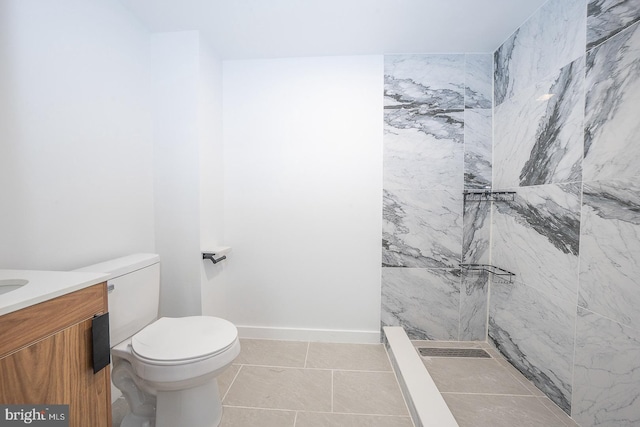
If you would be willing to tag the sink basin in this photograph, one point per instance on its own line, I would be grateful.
(8, 285)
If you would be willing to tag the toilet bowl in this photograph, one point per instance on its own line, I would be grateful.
(166, 368)
(176, 360)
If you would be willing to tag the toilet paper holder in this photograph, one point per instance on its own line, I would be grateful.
(216, 253)
(212, 257)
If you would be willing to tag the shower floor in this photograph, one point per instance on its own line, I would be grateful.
(489, 391)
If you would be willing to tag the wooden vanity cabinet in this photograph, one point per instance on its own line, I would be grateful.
(46, 357)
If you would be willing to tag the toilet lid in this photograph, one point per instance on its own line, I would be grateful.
(183, 338)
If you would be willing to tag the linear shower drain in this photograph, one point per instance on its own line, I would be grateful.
(452, 352)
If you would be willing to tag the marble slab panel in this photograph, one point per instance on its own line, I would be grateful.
(425, 302)
(478, 81)
(536, 334)
(611, 149)
(606, 18)
(473, 305)
(476, 232)
(421, 228)
(537, 238)
(610, 250)
(552, 38)
(538, 134)
(478, 128)
(606, 385)
(423, 149)
(424, 81)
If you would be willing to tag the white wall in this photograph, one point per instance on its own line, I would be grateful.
(211, 180)
(95, 113)
(188, 165)
(303, 196)
(75, 134)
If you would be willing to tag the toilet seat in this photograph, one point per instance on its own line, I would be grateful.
(176, 341)
(169, 361)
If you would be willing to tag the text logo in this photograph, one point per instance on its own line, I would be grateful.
(34, 415)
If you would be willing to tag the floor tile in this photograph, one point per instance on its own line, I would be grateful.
(357, 357)
(249, 417)
(272, 353)
(485, 410)
(226, 378)
(566, 420)
(373, 393)
(317, 419)
(468, 375)
(518, 376)
(281, 388)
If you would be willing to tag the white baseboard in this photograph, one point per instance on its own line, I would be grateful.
(302, 334)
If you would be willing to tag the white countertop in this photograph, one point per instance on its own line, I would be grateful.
(43, 286)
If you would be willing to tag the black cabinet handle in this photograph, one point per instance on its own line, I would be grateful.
(100, 339)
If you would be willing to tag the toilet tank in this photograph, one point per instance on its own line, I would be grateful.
(134, 292)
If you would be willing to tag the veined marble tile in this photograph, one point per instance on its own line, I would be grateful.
(611, 149)
(539, 133)
(606, 385)
(421, 228)
(476, 232)
(478, 81)
(610, 250)
(473, 305)
(537, 238)
(552, 38)
(477, 148)
(423, 149)
(606, 18)
(536, 334)
(424, 81)
(425, 302)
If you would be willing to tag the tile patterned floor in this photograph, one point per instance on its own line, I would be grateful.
(490, 392)
(309, 384)
(305, 384)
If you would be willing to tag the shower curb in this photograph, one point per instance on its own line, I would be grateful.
(425, 403)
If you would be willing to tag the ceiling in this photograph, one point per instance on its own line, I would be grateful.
(242, 29)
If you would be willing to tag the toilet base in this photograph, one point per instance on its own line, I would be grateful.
(141, 402)
(199, 406)
(194, 407)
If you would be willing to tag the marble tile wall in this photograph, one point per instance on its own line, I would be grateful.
(552, 38)
(611, 148)
(567, 97)
(437, 142)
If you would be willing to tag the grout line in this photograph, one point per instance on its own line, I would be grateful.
(358, 414)
(261, 408)
(490, 394)
(580, 243)
(625, 325)
(295, 419)
(332, 386)
(231, 384)
(297, 411)
(388, 371)
(306, 356)
(519, 377)
(556, 414)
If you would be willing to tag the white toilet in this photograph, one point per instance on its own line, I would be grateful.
(166, 368)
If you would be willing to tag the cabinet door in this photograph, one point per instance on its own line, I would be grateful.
(58, 370)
